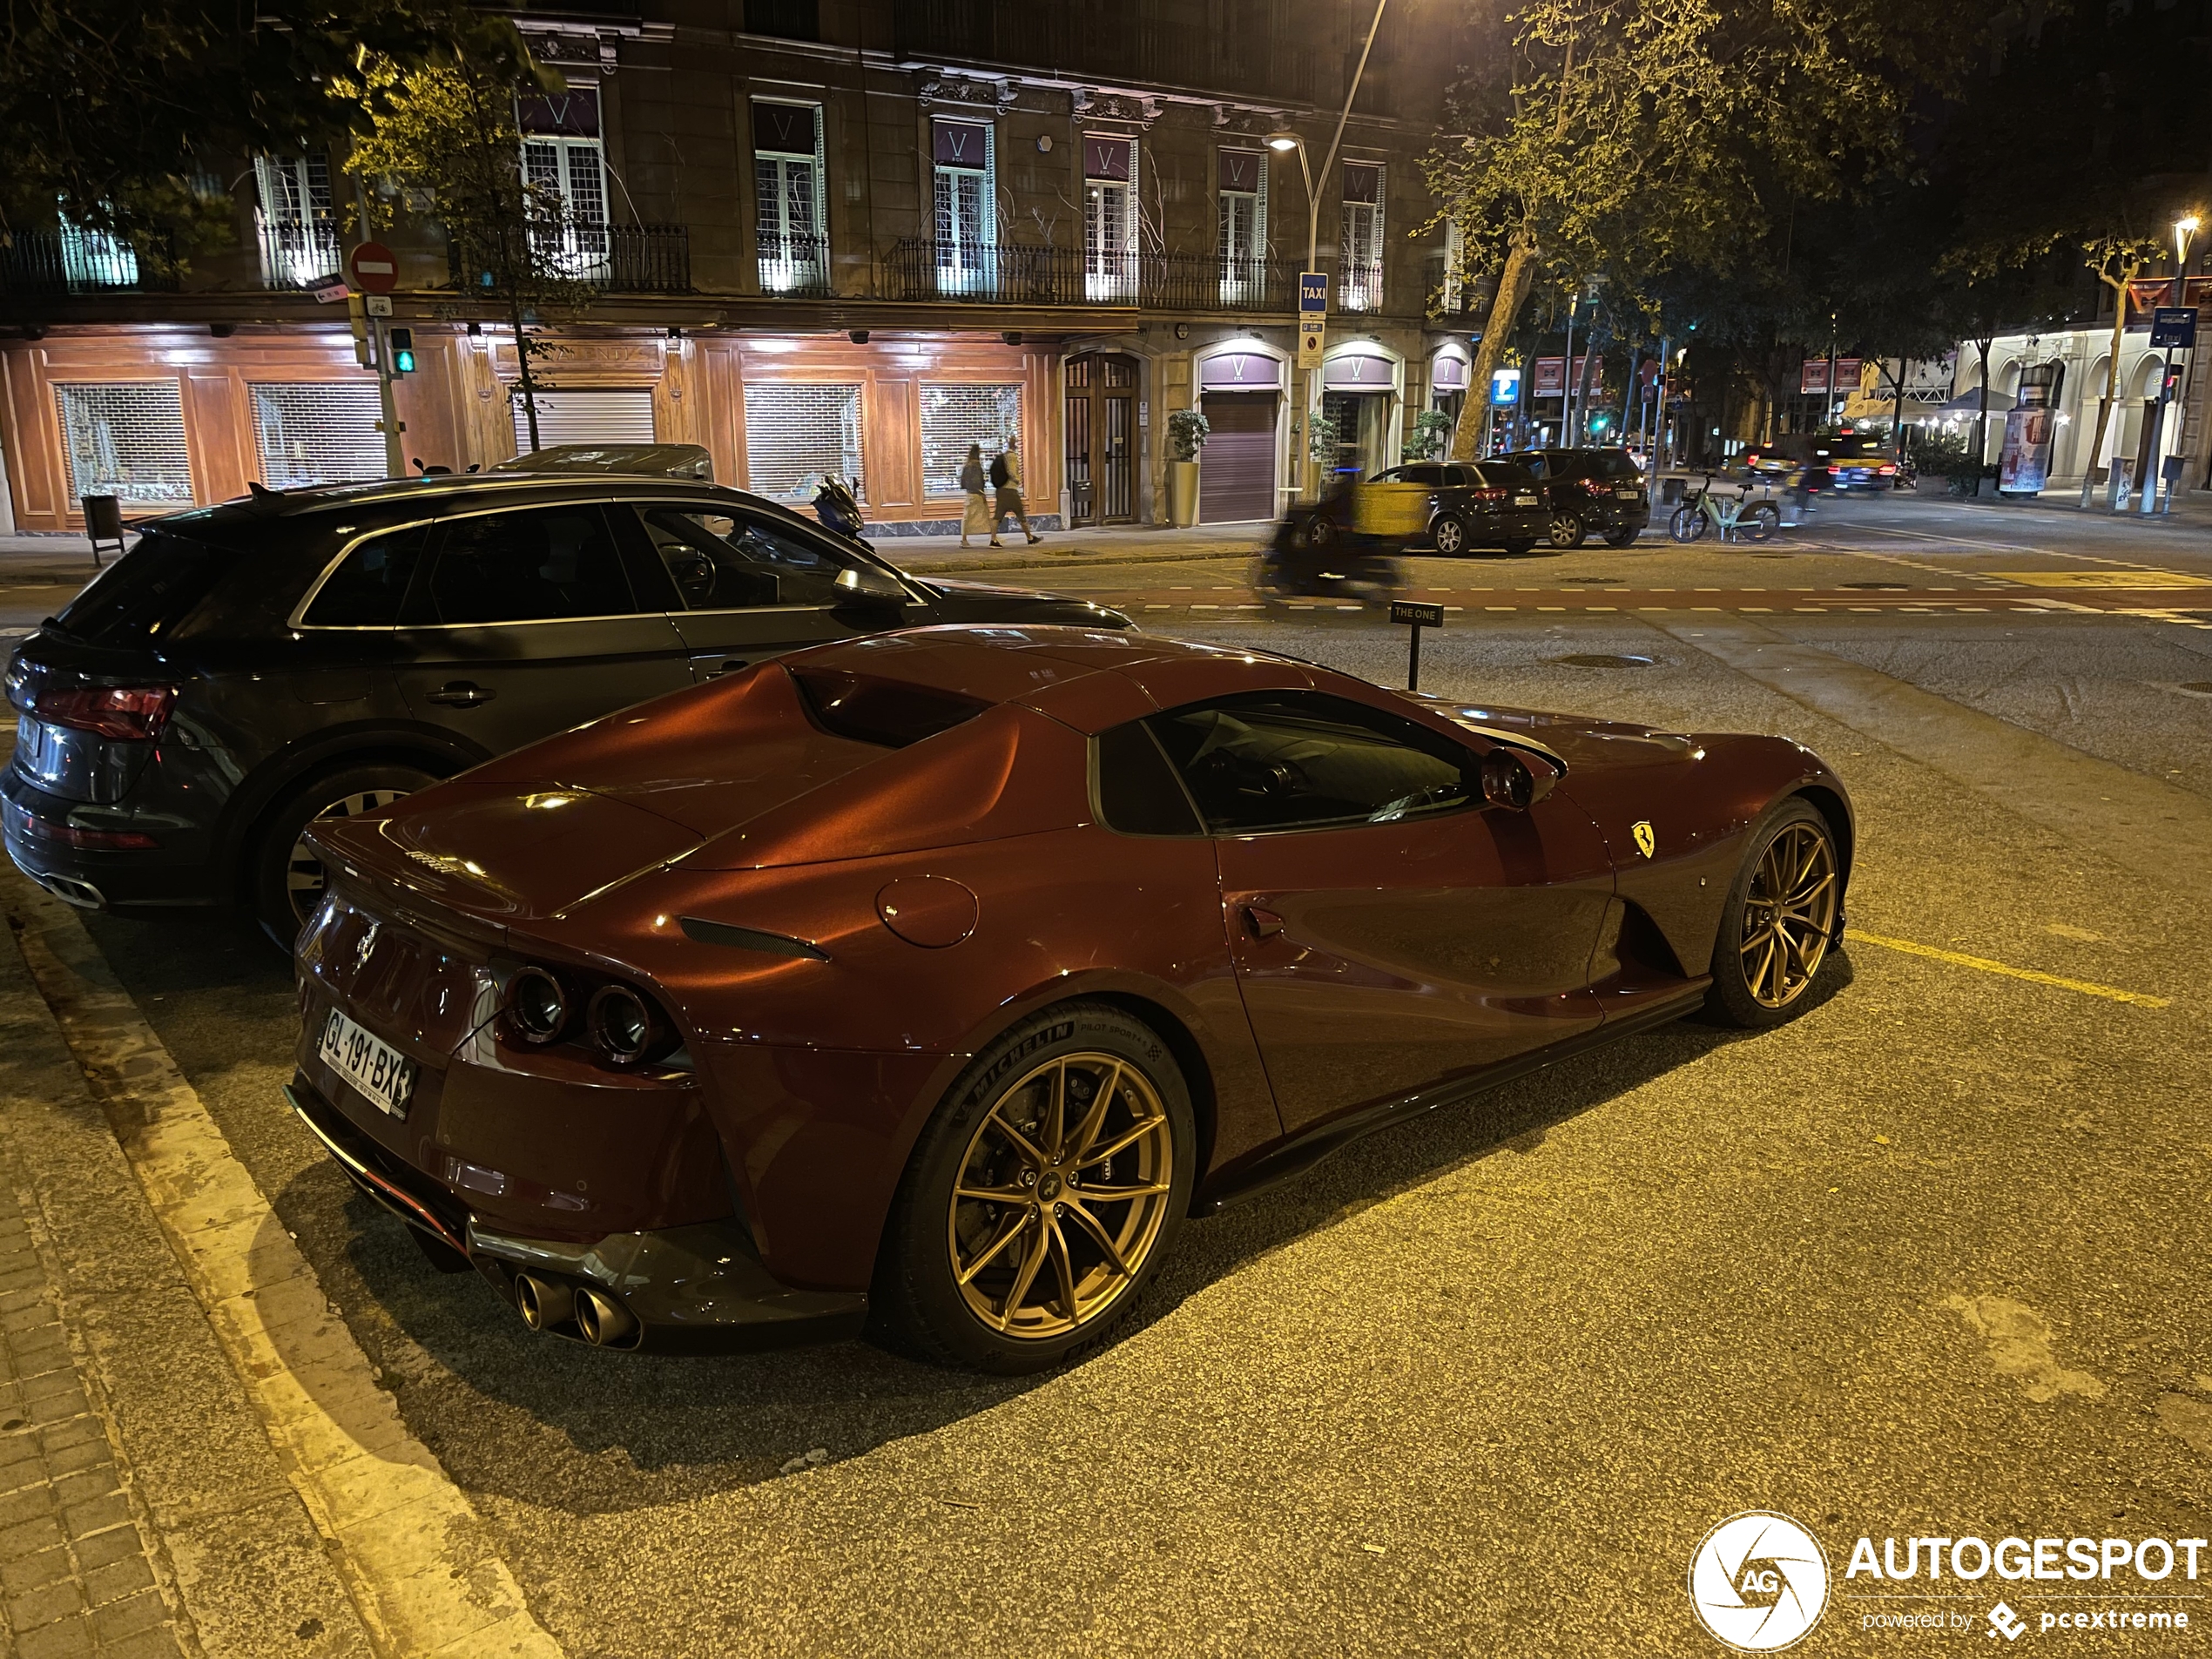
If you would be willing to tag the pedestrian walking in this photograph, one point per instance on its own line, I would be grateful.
(976, 515)
(1006, 478)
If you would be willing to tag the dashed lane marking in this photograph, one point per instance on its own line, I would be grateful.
(1982, 964)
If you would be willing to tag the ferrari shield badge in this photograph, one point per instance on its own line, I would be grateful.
(1645, 839)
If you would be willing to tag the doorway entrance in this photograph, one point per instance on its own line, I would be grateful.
(1102, 438)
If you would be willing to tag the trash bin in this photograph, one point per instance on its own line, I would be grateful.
(1670, 492)
(1079, 501)
(103, 523)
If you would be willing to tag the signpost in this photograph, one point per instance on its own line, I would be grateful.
(2172, 329)
(1313, 317)
(373, 270)
(1418, 616)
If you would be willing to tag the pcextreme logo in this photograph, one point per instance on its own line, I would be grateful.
(1759, 1582)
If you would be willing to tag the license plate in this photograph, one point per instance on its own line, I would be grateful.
(35, 746)
(380, 1071)
(1524, 501)
(1626, 495)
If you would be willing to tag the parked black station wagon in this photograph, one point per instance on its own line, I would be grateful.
(1602, 490)
(1489, 503)
(248, 668)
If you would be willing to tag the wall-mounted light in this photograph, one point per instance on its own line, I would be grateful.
(1012, 336)
(858, 336)
(222, 330)
(1183, 331)
(675, 333)
(1044, 143)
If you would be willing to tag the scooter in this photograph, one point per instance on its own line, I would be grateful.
(1315, 553)
(839, 507)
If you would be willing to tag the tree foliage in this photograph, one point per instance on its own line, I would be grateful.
(1651, 139)
(133, 117)
(444, 144)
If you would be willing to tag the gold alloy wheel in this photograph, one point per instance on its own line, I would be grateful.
(1789, 915)
(1060, 1196)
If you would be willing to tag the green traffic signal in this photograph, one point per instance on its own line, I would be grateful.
(403, 351)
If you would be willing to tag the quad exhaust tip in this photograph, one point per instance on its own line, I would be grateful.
(542, 1303)
(604, 1321)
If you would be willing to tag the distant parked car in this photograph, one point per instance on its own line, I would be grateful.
(1590, 490)
(645, 460)
(1478, 504)
(248, 668)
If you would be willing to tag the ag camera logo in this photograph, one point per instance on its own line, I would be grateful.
(1759, 1582)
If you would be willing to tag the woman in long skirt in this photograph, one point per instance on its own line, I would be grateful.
(975, 518)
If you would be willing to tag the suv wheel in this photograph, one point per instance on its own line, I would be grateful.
(1625, 536)
(1450, 534)
(1566, 530)
(287, 880)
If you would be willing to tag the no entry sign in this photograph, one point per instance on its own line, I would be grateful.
(373, 267)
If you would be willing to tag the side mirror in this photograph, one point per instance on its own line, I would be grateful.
(865, 583)
(1516, 781)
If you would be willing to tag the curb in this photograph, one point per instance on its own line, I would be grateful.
(414, 1555)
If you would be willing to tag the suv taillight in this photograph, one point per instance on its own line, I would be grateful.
(136, 712)
(1485, 495)
(1597, 486)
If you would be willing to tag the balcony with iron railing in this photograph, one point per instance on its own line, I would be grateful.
(1360, 285)
(796, 266)
(299, 253)
(73, 260)
(612, 259)
(1012, 273)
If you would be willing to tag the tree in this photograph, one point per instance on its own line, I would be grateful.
(1649, 135)
(130, 116)
(443, 144)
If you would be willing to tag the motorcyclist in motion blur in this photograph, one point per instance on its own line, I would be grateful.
(1315, 552)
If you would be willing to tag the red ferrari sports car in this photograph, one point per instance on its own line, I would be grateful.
(926, 984)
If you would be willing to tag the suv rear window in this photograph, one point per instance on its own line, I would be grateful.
(148, 591)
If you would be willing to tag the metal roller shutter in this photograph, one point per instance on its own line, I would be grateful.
(1237, 467)
(621, 415)
(126, 439)
(794, 433)
(317, 433)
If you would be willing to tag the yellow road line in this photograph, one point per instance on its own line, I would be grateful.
(2086, 986)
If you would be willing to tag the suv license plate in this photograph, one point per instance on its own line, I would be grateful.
(1626, 495)
(380, 1071)
(1524, 501)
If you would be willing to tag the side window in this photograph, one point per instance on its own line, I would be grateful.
(540, 564)
(365, 589)
(1278, 760)
(1503, 475)
(1395, 475)
(1535, 464)
(1427, 473)
(1137, 791)
(722, 563)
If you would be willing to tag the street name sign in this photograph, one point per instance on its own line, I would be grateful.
(2173, 329)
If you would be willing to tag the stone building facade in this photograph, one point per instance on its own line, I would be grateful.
(852, 236)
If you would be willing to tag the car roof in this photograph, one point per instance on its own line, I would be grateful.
(441, 488)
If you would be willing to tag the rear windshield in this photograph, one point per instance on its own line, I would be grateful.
(148, 591)
(891, 712)
(1616, 464)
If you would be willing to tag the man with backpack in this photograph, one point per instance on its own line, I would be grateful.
(1006, 478)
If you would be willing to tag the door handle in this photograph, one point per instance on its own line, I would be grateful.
(462, 694)
(1261, 922)
(714, 667)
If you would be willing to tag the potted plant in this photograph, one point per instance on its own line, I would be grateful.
(1187, 431)
(1430, 437)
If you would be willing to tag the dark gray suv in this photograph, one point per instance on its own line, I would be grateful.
(248, 668)
(1590, 490)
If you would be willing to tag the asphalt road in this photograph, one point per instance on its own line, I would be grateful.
(1930, 1261)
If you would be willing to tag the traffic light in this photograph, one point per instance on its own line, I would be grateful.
(2172, 390)
(403, 351)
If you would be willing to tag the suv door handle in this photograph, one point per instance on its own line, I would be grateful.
(462, 694)
(1262, 923)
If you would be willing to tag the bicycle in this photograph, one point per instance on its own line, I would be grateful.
(1738, 517)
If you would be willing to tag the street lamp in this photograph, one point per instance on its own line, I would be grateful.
(2184, 233)
(1285, 141)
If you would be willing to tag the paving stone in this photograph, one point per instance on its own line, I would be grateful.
(129, 1616)
(117, 1580)
(28, 1503)
(87, 1485)
(30, 1537)
(41, 1607)
(84, 1520)
(104, 1550)
(34, 1572)
(160, 1642)
(69, 1639)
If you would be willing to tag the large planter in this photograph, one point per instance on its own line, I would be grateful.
(1183, 492)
